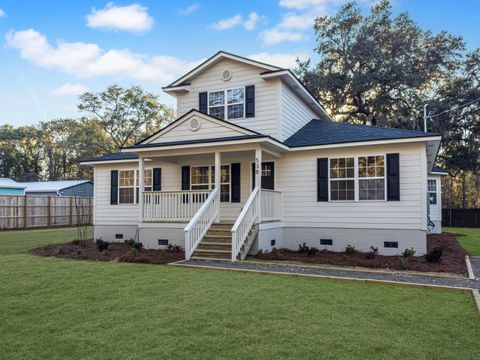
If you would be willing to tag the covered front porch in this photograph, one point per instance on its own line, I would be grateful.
(204, 186)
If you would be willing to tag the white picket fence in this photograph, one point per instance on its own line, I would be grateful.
(32, 211)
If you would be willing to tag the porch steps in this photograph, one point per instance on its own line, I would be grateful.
(217, 243)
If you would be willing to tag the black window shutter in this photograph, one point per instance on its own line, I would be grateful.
(203, 102)
(250, 101)
(185, 182)
(235, 195)
(157, 179)
(322, 179)
(393, 177)
(114, 187)
(185, 177)
(253, 176)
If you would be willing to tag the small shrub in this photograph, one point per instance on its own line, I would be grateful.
(303, 248)
(101, 245)
(372, 253)
(138, 246)
(79, 252)
(174, 248)
(76, 242)
(135, 252)
(105, 253)
(130, 242)
(408, 252)
(434, 255)
(312, 251)
(350, 250)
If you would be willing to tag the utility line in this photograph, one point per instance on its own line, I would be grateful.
(454, 108)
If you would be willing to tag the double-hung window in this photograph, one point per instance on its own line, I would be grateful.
(128, 185)
(357, 178)
(371, 177)
(227, 104)
(342, 179)
(203, 178)
(432, 191)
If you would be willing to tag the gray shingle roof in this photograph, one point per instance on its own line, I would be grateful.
(326, 132)
(438, 169)
(115, 156)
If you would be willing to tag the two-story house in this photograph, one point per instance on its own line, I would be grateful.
(254, 162)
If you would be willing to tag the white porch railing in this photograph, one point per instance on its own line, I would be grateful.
(172, 206)
(272, 205)
(249, 215)
(201, 222)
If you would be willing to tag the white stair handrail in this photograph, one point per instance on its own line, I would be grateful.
(248, 216)
(201, 222)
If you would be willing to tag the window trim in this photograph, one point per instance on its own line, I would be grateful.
(432, 192)
(226, 104)
(212, 184)
(135, 182)
(344, 179)
(357, 178)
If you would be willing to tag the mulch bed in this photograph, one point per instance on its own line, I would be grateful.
(452, 260)
(116, 252)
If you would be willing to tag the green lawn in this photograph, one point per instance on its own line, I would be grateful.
(64, 309)
(470, 241)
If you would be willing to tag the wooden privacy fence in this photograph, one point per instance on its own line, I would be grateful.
(461, 217)
(30, 211)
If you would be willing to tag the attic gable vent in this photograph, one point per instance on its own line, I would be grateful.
(194, 125)
(226, 75)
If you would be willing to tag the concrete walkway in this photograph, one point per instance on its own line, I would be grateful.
(475, 261)
(368, 276)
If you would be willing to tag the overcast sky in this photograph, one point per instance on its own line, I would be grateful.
(55, 50)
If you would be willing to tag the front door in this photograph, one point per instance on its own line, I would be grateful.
(268, 175)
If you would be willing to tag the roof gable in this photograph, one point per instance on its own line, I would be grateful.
(221, 55)
(195, 125)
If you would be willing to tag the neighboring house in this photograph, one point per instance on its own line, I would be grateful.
(434, 195)
(11, 187)
(254, 162)
(59, 188)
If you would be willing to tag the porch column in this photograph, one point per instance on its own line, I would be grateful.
(258, 179)
(218, 169)
(141, 171)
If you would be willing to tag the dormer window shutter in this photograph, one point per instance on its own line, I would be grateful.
(203, 102)
(393, 177)
(250, 101)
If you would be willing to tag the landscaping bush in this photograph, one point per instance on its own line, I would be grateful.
(312, 251)
(75, 242)
(135, 252)
(303, 248)
(174, 248)
(101, 245)
(408, 252)
(138, 246)
(434, 255)
(372, 253)
(350, 250)
(130, 242)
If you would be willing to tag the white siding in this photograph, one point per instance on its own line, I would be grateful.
(125, 214)
(436, 210)
(294, 112)
(128, 214)
(297, 177)
(208, 129)
(267, 94)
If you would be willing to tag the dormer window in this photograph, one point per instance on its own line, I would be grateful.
(230, 102)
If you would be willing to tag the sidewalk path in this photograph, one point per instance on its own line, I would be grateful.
(345, 274)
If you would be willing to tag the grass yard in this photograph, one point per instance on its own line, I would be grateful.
(66, 309)
(470, 240)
